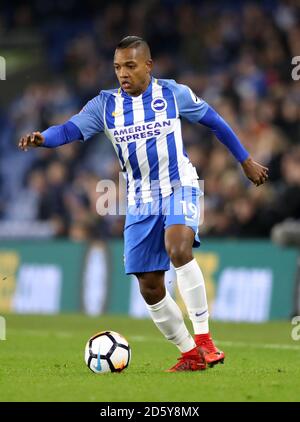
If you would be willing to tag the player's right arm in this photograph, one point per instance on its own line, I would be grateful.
(52, 137)
(31, 140)
(80, 127)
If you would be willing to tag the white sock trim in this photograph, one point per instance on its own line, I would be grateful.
(158, 305)
(185, 266)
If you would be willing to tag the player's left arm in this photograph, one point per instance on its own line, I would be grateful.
(197, 110)
(255, 172)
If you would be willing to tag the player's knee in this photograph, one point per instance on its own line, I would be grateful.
(180, 254)
(152, 294)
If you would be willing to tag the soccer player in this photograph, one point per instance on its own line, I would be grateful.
(143, 121)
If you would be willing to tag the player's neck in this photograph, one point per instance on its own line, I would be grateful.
(143, 88)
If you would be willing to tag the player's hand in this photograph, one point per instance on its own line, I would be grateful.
(255, 172)
(32, 140)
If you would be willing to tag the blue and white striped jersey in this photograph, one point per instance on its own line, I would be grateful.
(146, 134)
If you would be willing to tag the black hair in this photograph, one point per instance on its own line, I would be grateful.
(132, 41)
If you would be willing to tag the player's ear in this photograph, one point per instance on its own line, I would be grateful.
(149, 65)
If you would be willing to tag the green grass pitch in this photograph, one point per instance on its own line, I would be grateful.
(42, 360)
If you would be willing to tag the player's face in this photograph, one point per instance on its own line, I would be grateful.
(133, 68)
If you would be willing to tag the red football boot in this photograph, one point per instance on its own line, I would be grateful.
(190, 361)
(211, 353)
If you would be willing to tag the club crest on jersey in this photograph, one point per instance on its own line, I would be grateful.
(158, 104)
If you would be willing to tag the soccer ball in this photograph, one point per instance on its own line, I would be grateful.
(107, 351)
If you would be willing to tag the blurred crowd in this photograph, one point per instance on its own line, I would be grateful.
(235, 55)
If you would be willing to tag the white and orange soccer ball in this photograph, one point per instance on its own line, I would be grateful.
(107, 351)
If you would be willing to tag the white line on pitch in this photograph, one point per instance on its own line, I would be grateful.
(259, 345)
(229, 343)
(65, 334)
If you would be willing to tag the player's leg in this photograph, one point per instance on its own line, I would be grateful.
(179, 241)
(180, 232)
(168, 318)
(146, 257)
